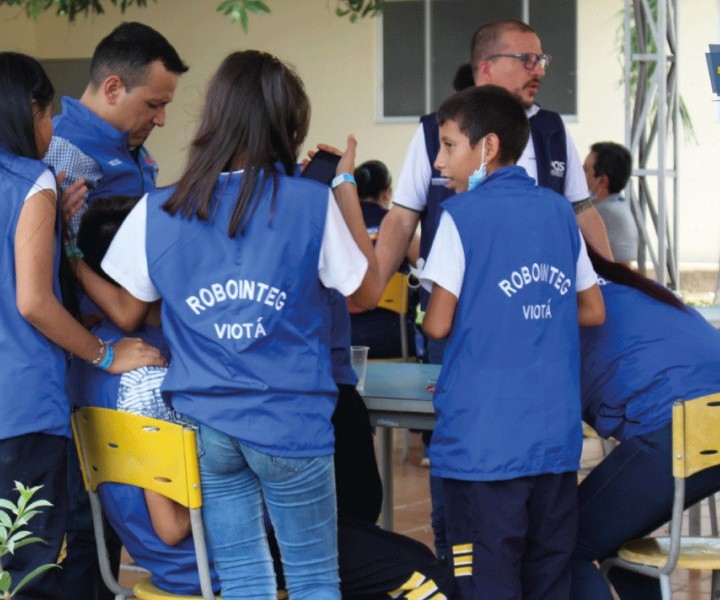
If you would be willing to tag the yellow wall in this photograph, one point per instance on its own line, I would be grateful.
(338, 62)
(17, 32)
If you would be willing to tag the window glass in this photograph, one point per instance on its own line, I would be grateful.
(452, 24)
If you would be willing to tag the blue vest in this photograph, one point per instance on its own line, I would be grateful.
(246, 318)
(507, 398)
(645, 356)
(124, 173)
(548, 135)
(32, 368)
(173, 568)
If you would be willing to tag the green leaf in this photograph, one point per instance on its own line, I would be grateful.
(28, 541)
(31, 575)
(257, 6)
(16, 537)
(6, 504)
(5, 519)
(244, 19)
(23, 519)
(38, 504)
(5, 581)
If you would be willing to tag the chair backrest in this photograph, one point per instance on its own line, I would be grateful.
(121, 447)
(395, 295)
(696, 435)
(395, 298)
(125, 448)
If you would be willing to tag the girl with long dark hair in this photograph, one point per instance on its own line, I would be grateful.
(242, 254)
(651, 350)
(35, 329)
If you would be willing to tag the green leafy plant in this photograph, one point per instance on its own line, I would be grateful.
(70, 8)
(359, 8)
(13, 535)
(238, 10)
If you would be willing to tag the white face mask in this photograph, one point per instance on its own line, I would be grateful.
(479, 175)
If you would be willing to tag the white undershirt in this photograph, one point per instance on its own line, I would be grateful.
(46, 181)
(445, 264)
(412, 187)
(342, 265)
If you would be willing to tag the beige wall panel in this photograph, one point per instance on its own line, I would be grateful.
(17, 32)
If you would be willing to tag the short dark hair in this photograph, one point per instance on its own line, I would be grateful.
(22, 80)
(128, 51)
(479, 111)
(98, 227)
(615, 161)
(463, 78)
(485, 40)
(373, 178)
(256, 117)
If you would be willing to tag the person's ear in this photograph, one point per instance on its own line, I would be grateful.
(492, 147)
(603, 182)
(112, 88)
(481, 75)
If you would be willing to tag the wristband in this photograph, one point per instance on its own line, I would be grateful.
(342, 178)
(72, 251)
(109, 357)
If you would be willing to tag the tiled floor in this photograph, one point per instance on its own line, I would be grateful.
(412, 511)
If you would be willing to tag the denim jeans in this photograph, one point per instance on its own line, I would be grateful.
(628, 495)
(300, 497)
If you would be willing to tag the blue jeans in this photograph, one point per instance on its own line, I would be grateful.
(300, 497)
(628, 495)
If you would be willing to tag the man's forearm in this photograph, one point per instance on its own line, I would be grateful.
(592, 227)
(396, 233)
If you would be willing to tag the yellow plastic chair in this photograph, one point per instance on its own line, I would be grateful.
(395, 298)
(120, 447)
(696, 447)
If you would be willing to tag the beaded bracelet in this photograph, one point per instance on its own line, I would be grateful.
(101, 354)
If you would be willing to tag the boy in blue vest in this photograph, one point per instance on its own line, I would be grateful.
(510, 281)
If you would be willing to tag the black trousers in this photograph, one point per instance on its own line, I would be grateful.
(36, 459)
(512, 539)
(80, 578)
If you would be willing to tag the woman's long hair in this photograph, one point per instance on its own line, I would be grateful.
(22, 80)
(619, 273)
(256, 117)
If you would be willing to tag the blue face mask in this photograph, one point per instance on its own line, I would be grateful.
(479, 175)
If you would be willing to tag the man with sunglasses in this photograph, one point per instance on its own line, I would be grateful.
(506, 53)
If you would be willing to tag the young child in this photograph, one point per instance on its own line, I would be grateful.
(505, 262)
